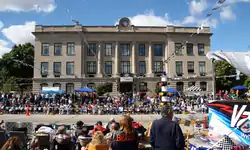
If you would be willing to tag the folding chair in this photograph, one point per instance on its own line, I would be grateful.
(2, 138)
(44, 141)
(22, 136)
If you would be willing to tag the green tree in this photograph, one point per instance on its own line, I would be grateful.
(247, 82)
(18, 64)
(103, 88)
(223, 68)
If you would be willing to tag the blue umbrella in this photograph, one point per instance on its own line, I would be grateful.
(240, 87)
(52, 91)
(170, 90)
(85, 90)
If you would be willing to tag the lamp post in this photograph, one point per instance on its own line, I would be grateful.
(214, 79)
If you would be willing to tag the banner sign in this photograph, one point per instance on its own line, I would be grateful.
(230, 116)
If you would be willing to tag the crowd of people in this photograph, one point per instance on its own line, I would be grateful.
(73, 104)
(125, 134)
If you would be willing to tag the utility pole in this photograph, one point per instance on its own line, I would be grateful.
(214, 79)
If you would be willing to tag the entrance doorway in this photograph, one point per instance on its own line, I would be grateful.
(126, 87)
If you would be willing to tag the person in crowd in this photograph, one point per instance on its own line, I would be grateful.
(84, 138)
(62, 140)
(109, 136)
(99, 127)
(166, 134)
(79, 126)
(109, 123)
(126, 137)
(13, 143)
(98, 142)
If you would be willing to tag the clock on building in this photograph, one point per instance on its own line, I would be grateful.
(124, 22)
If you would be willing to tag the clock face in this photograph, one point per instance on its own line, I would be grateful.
(124, 22)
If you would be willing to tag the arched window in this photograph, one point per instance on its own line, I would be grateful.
(143, 87)
(57, 85)
(179, 86)
(91, 85)
(191, 84)
(70, 88)
(203, 86)
(43, 85)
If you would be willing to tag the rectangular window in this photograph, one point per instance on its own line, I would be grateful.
(45, 49)
(58, 49)
(142, 67)
(91, 51)
(125, 49)
(158, 50)
(158, 66)
(125, 67)
(70, 67)
(57, 67)
(201, 50)
(70, 48)
(108, 49)
(142, 50)
(44, 68)
(91, 67)
(178, 67)
(178, 48)
(202, 67)
(190, 50)
(108, 67)
(190, 66)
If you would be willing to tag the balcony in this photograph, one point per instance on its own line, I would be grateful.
(44, 74)
(179, 74)
(57, 74)
(202, 73)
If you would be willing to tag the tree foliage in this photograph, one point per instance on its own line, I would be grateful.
(101, 89)
(247, 82)
(223, 68)
(17, 65)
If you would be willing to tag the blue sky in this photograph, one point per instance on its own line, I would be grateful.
(229, 23)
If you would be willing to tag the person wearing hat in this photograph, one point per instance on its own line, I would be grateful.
(99, 127)
(62, 140)
(165, 133)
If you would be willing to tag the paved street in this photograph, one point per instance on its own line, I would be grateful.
(90, 119)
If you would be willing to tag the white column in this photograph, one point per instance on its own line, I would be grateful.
(150, 61)
(166, 57)
(99, 61)
(133, 57)
(116, 73)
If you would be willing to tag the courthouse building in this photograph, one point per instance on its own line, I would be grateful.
(125, 57)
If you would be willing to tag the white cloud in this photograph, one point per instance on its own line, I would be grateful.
(150, 19)
(197, 7)
(20, 34)
(4, 47)
(227, 14)
(27, 5)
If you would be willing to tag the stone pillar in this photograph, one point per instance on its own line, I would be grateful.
(133, 57)
(150, 61)
(99, 61)
(166, 57)
(116, 74)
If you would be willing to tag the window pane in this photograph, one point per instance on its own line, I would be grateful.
(178, 48)
(201, 49)
(203, 86)
(158, 50)
(91, 67)
(70, 68)
(44, 67)
(57, 67)
(202, 68)
(70, 88)
(158, 66)
(45, 49)
(143, 87)
(125, 67)
(190, 67)
(57, 49)
(125, 49)
(108, 49)
(71, 49)
(108, 67)
(142, 50)
(91, 49)
(179, 69)
(190, 49)
(142, 67)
